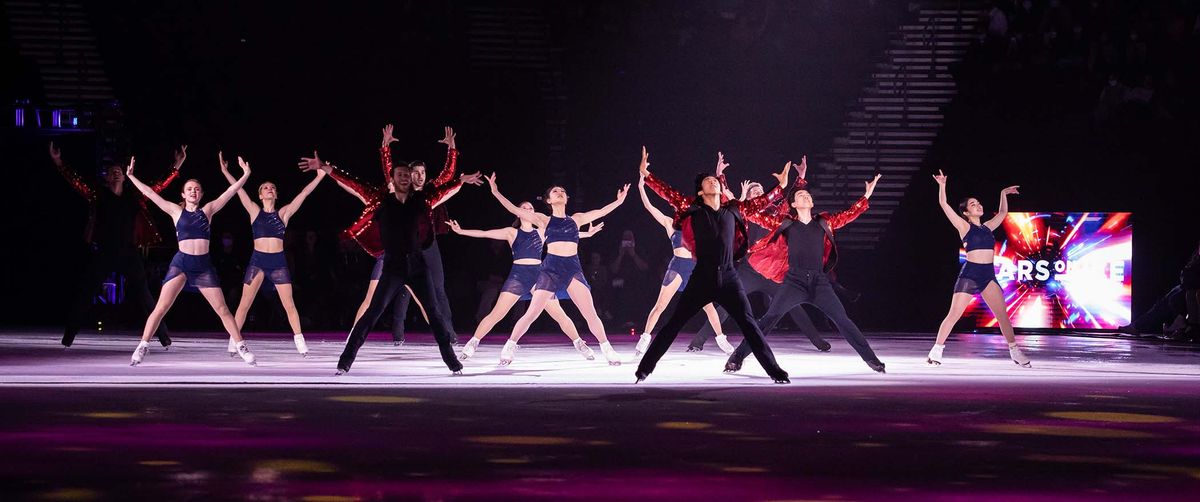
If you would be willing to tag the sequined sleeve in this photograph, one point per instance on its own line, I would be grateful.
(440, 193)
(839, 220)
(367, 192)
(448, 170)
(385, 161)
(165, 182)
(761, 210)
(678, 201)
(77, 182)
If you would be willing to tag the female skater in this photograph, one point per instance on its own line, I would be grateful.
(526, 242)
(561, 268)
(678, 271)
(978, 275)
(191, 266)
(268, 224)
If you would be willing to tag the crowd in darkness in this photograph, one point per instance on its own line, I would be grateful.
(1132, 63)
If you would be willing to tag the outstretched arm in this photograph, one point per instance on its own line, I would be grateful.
(364, 192)
(163, 204)
(71, 176)
(216, 204)
(501, 234)
(251, 208)
(447, 174)
(661, 218)
(841, 219)
(959, 223)
(442, 193)
(998, 219)
(678, 201)
(586, 217)
(763, 203)
(180, 156)
(537, 218)
(726, 194)
(385, 156)
(593, 229)
(292, 207)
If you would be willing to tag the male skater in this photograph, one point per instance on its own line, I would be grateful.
(799, 253)
(433, 254)
(754, 282)
(715, 233)
(118, 223)
(405, 230)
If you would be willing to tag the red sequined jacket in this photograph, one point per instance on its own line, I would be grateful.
(363, 231)
(683, 206)
(769, 256)
(145, 233)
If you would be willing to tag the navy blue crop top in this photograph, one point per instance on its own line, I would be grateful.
(268, 225)
(191, 225)
(527, 245)
(677, 240)
(979, 237)
(562, 230)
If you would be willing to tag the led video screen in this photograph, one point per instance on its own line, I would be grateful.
(1062, 271)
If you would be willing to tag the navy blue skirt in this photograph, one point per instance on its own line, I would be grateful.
(196, 268)
(557, 272)
(522, 279)
(975, 277)
(679, 267)
(272, 265)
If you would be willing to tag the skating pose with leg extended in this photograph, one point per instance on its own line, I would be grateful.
(978, 275)
(526, 242)
(191, 266)
(268, 224)
(561, 268)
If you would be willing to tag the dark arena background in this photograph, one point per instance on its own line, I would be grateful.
(1090, 106)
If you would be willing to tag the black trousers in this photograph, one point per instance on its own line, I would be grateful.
(437, 277)
(754, 282)
(813, 287)
(394, 278)
(707, 285)
(99, 265)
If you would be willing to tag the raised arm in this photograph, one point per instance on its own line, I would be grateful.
(501, 234)
(385, 156)
(363, 191)
(537, 218)
(252, 209)
(216, 204)
(678, 201)
(959, 223)
(1001, 213)
(72, 177)
(726, 194)
(167, 207)
(661, 218)
(839, 220)
(593, 229)
(442, 193)
(292, 207)
(763, 203)
(180, 156)
(447, 173)
(585, 217)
